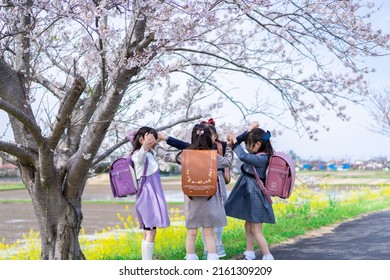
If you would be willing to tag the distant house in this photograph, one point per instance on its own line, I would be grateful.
(332, 166)
(375, 163)
(346, 166)
(306, 166)
(8, 170)
(321, 165)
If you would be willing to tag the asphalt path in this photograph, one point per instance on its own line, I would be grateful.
(364, 238)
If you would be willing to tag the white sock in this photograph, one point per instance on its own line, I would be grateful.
(147, 249)
(218, 235)
(142, 248)
(212, 256)
(250, 255)
(192, 257)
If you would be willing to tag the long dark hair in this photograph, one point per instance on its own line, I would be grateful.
(141, 133)
(213, 130)
(259, 135)
(201, 138)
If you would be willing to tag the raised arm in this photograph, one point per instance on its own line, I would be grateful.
(226, 161)
(167, 156)
(173, 142)
(259, 160)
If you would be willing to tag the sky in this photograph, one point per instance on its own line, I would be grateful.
(346, 140)
(351, 140)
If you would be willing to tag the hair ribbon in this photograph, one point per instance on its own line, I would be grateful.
(267, 136)
(210, 121)
(200, 132)
(132, 135)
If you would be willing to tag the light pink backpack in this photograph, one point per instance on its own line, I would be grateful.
(280, 177)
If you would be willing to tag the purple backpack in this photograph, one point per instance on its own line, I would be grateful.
(280, 177)
(123, 179)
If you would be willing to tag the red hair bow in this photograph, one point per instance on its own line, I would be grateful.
(210, 121)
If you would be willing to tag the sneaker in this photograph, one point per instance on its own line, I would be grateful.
(204, 255)
(268, 258)
(221, 251)
(191, 257)
(249, 256)
(213, 256)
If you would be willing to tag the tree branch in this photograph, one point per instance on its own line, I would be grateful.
(7, 157)
(126, 140)
(65, 111)
(23, 118)
(23, 155)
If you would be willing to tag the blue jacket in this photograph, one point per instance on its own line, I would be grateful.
(181, 145)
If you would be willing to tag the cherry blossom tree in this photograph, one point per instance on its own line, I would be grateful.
(76, 76)
(379, 109)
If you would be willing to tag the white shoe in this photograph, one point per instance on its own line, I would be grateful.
(249, 255)
(221, 251)
(192, 257)
(268, 257)
(212, 256)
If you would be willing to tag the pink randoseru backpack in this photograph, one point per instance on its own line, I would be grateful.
(280, 177)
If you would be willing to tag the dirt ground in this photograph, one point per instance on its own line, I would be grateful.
(17, 218)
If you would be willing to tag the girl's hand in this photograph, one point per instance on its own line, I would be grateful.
(231, 138)
(149, 141)
(161, 137)
(254, 125)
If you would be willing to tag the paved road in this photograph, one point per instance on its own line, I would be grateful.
(366, 238)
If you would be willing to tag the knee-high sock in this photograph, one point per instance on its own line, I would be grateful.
(147, 250)
(218, 235)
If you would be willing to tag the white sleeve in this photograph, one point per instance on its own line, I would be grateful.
(139, 158)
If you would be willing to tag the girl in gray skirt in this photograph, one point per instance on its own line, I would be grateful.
(201, 212)
(246, 201)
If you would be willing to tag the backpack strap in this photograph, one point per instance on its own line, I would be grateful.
(261, 186)
(129, 159)
(219, 148)
(146, 166)
(144, 173)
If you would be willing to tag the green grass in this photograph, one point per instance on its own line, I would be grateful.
(346, 174)
(9, 186)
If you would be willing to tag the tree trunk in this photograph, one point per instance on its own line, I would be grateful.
(59, 220)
